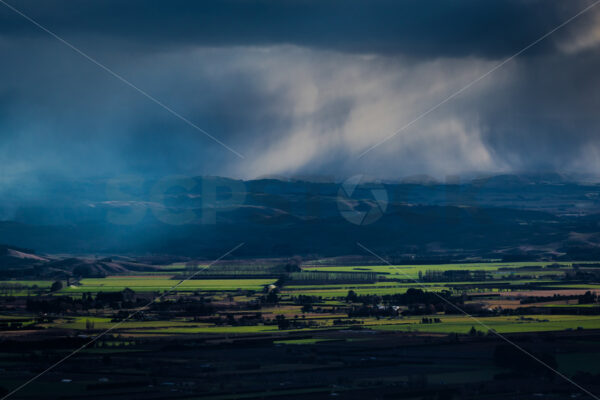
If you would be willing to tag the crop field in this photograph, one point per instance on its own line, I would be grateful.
(523, 323)
(360, 290)
(412, 271)
(330, 305)
(332, 291)
(137, 323)
(26, 283)
(448, 324)
(387, 284)
(329, 299)
(159, 283)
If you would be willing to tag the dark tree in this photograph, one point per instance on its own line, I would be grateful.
(282, 322)
(351, 297)
(56, 286)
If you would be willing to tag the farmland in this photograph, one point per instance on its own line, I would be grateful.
(327, 288)
(160, 284)
(290, 310)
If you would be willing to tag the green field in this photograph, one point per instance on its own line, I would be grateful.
(412, 271)
(364, 290)
(230, 312)
(328, 297)
(449, 324)
(512, 324)
(30, 284)
(156, 283)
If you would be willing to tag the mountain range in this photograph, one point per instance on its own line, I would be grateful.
(501, 217)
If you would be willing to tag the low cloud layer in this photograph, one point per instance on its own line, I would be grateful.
(299, 88)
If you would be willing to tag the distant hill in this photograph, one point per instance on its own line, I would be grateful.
(524, 216)
(16, 262)
(16, 257)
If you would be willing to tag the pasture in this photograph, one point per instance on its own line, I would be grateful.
(152, 283)
(319, 300)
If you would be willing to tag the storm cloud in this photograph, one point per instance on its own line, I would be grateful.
(299, 87)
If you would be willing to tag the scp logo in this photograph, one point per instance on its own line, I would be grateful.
(361, 201)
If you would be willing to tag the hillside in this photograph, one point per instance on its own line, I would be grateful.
(16, 262)
(509, 216)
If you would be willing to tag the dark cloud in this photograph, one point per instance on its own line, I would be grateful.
(298, 87)
(546, 117)
(420, 28)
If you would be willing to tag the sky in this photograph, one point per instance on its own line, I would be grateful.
(298, 88)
